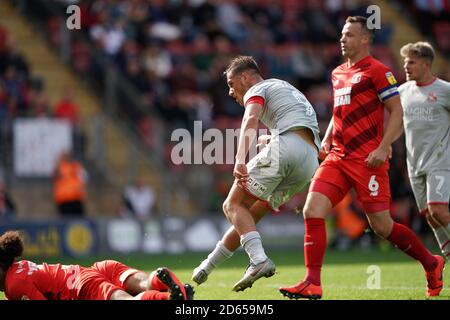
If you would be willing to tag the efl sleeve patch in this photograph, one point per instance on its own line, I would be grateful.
(391, 79)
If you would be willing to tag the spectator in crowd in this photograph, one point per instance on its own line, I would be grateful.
(67, 109)
(109, 35)
(11, 57)
(138, 200)
(69, 186)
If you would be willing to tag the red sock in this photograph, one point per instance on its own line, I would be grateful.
(404, 239)
(157, 284)
(315, 245)
(155, 295)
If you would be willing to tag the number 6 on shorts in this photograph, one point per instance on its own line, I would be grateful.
(373, 186)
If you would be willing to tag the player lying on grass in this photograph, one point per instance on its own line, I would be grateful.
(104, 280)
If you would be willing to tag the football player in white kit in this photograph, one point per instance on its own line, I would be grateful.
(426, 104)
(279, 171)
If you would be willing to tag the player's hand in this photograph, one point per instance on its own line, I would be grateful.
(325, 147)
(262, 141)
(377, 157)
(24, 298)
(240, 172)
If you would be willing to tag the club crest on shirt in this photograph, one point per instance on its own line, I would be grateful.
(432, 96)
(390, 78)
(356, 78)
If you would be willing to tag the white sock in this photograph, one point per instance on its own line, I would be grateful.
(216, 257)
(442, 237)
(252, 244)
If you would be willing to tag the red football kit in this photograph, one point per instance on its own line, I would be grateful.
(358, 114)
(65, 282)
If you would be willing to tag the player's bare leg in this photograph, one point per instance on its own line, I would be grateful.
(438, 218)
(225, 248)
(406, 240)
(161, 280)
(237, 212)
(316, 208)
(137, 282)
(231, 238)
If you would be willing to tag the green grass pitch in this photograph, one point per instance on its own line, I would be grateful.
(345, 274)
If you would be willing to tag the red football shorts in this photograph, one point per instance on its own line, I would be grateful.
(102, 279)
(335, 176)
(115, 271)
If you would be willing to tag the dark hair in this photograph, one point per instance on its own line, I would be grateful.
(421, 49)
(363, 22)
(240, 64)
(11, 246)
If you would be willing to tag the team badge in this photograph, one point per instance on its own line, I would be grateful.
(356, 78)
(432, 96)
(390, 77)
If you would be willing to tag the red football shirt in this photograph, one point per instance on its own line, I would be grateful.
(358, 113)
(42, 282)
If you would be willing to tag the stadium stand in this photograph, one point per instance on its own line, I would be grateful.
(168, 57)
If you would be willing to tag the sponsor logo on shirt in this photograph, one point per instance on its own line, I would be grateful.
(390, 78)
(419, 113)
(342, 96)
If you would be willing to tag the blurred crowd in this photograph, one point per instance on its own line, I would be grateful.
(433, 19)
(22, 93)
(173, 52)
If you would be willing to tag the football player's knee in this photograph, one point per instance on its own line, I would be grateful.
(227, 207)
(382, 230)
(312, 212)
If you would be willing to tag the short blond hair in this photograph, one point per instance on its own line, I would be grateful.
(421, 49)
